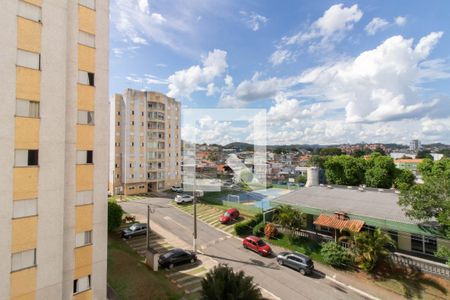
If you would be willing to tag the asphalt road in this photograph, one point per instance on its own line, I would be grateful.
(281, 281)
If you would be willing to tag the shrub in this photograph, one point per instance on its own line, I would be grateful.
(115, 213)
(336, 255)
(246, 227)
(258, 230)
(270, 231)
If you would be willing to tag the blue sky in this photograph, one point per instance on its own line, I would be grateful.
(325, 71)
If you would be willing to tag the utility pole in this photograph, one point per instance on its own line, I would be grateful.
(195, 219)
(148, 227)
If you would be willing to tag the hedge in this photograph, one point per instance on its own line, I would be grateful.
(246, 227)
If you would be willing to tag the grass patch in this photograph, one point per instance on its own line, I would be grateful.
(132, 279)
(299, 244)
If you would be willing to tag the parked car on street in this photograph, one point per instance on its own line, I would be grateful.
(296, 261)
(229, 216)
(256, 244)
(179, 199)
(175, 257)
(134, 230)
(176, 189)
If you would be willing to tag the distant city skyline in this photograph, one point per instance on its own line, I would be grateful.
(327, 72)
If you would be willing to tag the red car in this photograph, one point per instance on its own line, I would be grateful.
(256, 244)
(229, 215)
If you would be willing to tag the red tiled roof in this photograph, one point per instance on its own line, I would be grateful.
(337, 223)
(402, 160)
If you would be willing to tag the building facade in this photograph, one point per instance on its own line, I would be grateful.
(147, 143)
(53, 150)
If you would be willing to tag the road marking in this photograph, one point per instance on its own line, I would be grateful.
(192, 281)
(362, 293)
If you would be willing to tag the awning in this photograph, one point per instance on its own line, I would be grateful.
(338, 223)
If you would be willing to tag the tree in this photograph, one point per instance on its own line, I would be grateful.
(345, 170)
(330, 151)
(115, 213)
(289, 218)
(336, 255)
(368, 249)
(424, 154)
(316, 161)
(444, 253)
(404, 179)
(380, 172)
(221, 283)
(301, 179)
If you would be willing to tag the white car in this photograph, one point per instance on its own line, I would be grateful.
(179, 199)
(176, 189)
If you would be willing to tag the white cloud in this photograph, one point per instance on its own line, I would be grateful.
(375, 25)
(400, 21)
(280, 56)
(229, 82)
(143, 6)
(184, 82)
(146, 79)
(210, 89)
(158, 18)
(139, 40)
(380, 84)
(253, 20)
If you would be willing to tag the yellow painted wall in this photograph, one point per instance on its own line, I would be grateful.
(86, 58)
(83, 218)
(85, 177)
(25, 183)
(23, 284)
(35, 2)
(29, 296)
(27, 133)
(86, 19)
(24, 234)
(83, 262)
(28, 35)
(136, 190)
(28, 83)
(404, 241)
(86, 97)
(85, 137)
(87, 295)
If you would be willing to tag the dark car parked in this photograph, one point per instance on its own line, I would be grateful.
(296, 261)
(134, 230)
(175, 257)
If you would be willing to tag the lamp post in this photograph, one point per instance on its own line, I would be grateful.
(149, 211)
(195, 219)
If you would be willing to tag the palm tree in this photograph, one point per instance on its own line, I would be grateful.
(368, 248)
(289, 218)
(221, 283)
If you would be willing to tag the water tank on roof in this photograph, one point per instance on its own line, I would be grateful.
(312, 176)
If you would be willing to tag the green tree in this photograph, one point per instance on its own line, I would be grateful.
(301, 179)
(345, 170)
(289, 218)
(221, 283)
(330, 151)
(404, 179)
(115, 213)
(444, 253)
(316, 161)
(336, 255)
(369, 248)
(380, 172)
(424, 154)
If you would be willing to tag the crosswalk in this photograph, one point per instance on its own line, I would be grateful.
(210, 214)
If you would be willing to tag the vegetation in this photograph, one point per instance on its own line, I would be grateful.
(289, 218)
(115, 213)
(270, 231)
(301, 179)
(330, 151)
(246, 227)
(221, 283)
(380, 171)
(317, 161)
(404, 179)
(299, 244)
(368, 248)
(345, 170)
(336, 255)
(258, 230)
(444, 253)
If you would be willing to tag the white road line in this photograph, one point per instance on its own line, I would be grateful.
(352, 288)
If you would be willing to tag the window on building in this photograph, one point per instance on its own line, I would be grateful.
(86, 78)
(85, 157)
(86, 39)
(26, 108)
(24, 208)
(23, 259)
(423, 244)
(88, 3)
(28, 59)
(430, 245)
(82, 284)
(118, 123)
(30, 11)
(83, 238)
(25, 158)
(84, 197)
(85, 117)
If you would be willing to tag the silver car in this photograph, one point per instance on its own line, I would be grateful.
(296, 261)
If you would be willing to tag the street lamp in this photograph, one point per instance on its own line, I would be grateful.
(150, 210)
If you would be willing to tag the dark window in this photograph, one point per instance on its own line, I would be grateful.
(132, 112)
(118, 123)
(75, 283)
(416, 243)
(430, 245)
(118, 113)
(89, 157)
(33, 157)
(91, 77)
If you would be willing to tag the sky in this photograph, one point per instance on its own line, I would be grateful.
(317, 72)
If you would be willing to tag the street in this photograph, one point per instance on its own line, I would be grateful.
(280, 281)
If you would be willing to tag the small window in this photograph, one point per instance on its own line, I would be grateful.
(83, 238)
(26, 108)
(25, 158)
(24, 208)
(90, 157)
(85, 117)
(23, 259)
(84, 197)
(86, 78)
(86, 39)
(28, 59)
(82, 284)
(84, 157)
(30, 11)
(88, 3)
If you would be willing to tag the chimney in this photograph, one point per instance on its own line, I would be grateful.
(312, 175)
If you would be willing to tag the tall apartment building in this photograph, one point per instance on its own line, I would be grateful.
(53, 149)
(146, 141)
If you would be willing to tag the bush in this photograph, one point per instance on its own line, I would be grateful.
(336, 255)
(258, 230)
(115, 213)
(270, 231)
(246, 227)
